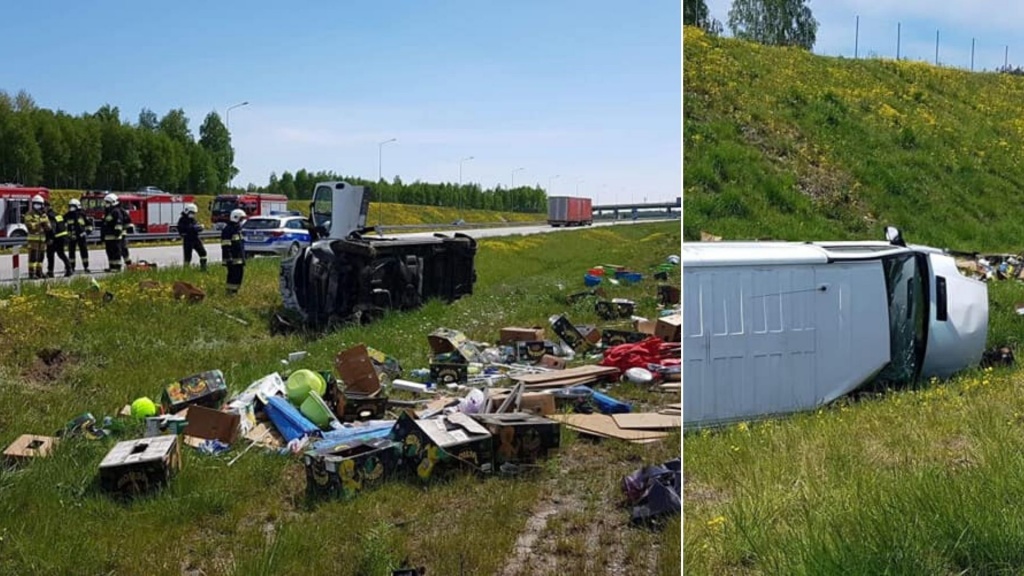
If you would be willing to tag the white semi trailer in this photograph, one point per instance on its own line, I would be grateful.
(772, 328)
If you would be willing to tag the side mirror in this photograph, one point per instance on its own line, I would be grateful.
(892, 234)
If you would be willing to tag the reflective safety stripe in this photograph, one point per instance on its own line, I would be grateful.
(225, 242)
(237, 238)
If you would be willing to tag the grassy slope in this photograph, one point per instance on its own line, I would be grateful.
(783, 144)
(253, 518)
(780, 143)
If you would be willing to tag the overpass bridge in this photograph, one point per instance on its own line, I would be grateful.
(628, 209)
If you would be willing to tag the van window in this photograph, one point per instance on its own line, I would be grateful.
(323, 201)
(905, 280)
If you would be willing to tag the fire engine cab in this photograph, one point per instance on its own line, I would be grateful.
(149, 214)
(253, 204)
(14, 203)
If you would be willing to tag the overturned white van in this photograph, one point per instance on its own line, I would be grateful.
(772, 328)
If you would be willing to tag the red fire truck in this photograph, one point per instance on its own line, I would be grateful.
(14, 201)
(253, 204)
(150, 214)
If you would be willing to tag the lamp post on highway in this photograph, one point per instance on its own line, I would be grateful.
(227, 124)
(467, 158)
(512, 187)
(380, 152)
(550, 180)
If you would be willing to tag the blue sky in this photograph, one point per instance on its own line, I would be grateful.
(993, 24)
(586, 90)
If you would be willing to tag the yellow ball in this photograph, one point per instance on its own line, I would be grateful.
(143, 408)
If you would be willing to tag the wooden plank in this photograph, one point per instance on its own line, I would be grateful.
(647, 421)
(604, 425)
(568, 373)
(670, 411)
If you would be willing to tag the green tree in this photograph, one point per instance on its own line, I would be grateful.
(695, 13)
(175, 125)
(147, 120)
(774, 22)
(287, 185)
(53, 148)
(214, 138)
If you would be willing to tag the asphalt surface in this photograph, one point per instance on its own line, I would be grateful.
(169, 256)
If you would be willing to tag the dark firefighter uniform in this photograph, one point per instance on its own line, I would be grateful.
(38, 225)
(56, 238)
(189, 231)
(233, 255)
(79, 228)
(127, 219)
(112, 230)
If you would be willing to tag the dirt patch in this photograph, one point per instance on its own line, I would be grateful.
(527, 559)
(49, 366)
(702, 494)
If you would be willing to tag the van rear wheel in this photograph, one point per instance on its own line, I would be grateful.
(293, 250)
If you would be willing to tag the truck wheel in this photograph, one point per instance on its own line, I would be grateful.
(294, 249)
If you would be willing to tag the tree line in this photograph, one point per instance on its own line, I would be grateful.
(102, 150)
(299, 186)
(770, 22)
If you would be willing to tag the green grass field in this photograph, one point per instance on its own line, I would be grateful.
(783, 144)
(254, 517)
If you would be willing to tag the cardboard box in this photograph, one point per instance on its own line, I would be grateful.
(533, 350)
(591, 333)
(448, 373)
(133, 467)
(28, 446)
(520, 437)
(345, 470)
(356, 370)
(614, 308)
(352, 407)
(645, 326)
(203, 389)
(553, 362)
(669, 328)
(439, 446)
(569, 334)
(210, 424)
(615, 337)
(540, 403)
(445, 341)
(515, 334)
(668, 295)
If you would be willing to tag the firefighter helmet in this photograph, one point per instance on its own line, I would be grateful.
(237, 215)
(191, 208)
(110, 199)
(75, 204)
(38, 201)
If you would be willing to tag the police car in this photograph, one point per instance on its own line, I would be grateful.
(277, 234)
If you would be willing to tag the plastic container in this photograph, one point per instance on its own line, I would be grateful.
(590, 280)
(596, 271)
(314, 408)
(300, 383)
(631, 277)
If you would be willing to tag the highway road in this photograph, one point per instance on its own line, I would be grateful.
(168, 256)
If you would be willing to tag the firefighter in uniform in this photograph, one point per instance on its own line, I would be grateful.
(112, 231)
(38, 226)
(127, 220)
(56, 239)
(189, 231)
(233, 250)
(79, 228)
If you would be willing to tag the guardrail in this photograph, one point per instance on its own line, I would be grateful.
(95, 238)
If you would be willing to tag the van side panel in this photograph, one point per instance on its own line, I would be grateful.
(761, 340)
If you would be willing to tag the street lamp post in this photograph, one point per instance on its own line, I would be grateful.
(227, 124)
(511, 190)
(380, 152)
(460, 178)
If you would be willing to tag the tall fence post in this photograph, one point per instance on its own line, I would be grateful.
(856, 37)
(936, 47)
(972, 54)
(897, 41)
